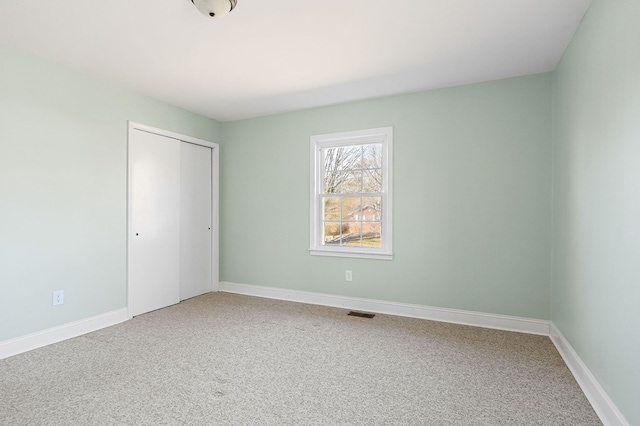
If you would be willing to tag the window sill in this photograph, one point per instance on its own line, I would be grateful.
(352, 254)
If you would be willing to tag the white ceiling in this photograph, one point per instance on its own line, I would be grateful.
(272, 56)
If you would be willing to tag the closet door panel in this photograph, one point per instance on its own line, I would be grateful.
(195, 221)
(154, 167)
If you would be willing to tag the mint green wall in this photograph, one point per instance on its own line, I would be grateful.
(63, 139)
(596, 274)
(472, 182)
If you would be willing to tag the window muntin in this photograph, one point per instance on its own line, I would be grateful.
(351, 198)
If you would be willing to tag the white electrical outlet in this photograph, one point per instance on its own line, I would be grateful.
(348, 276)
(58, 297)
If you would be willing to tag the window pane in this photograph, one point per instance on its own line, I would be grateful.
(372, 156)
(332, 234)
(372, 180)
(331, 208)
(352, 234)
(337, 182)
(352, 183)
(372, 208)
(342, 158)
(351, 208)
(332, 182)
(371, 232)
(351, 157)
(331, 156)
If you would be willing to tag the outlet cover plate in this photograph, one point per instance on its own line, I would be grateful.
(58, 297)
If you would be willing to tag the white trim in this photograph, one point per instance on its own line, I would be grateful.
(600, 401)
(63, 332)
(353, 254)
(184, 138)
(215, 198)
(476, 319)
(215, 218)
(381, 135)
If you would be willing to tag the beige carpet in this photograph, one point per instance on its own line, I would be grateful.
(224, 359)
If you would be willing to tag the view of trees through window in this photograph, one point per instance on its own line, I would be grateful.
(352, 195)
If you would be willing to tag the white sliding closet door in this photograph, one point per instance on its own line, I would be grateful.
(154, 243)
(195, 221)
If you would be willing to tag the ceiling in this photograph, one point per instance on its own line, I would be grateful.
(272, 56)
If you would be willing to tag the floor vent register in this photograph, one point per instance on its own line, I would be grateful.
(361, 314)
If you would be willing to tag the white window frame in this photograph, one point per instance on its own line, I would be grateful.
(382, 135)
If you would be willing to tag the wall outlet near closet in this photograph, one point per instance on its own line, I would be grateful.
(58, 297)
(348, 276)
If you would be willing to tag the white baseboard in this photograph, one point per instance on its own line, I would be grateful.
(477, 319)
(600, 401)
(57, 334)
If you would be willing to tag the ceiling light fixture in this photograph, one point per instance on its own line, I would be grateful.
(215, 8)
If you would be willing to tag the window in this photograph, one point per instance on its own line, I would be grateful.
(351, 194)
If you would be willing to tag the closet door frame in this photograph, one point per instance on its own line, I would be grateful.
(215, 188)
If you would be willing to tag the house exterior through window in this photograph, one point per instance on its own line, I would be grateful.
(351, 202)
